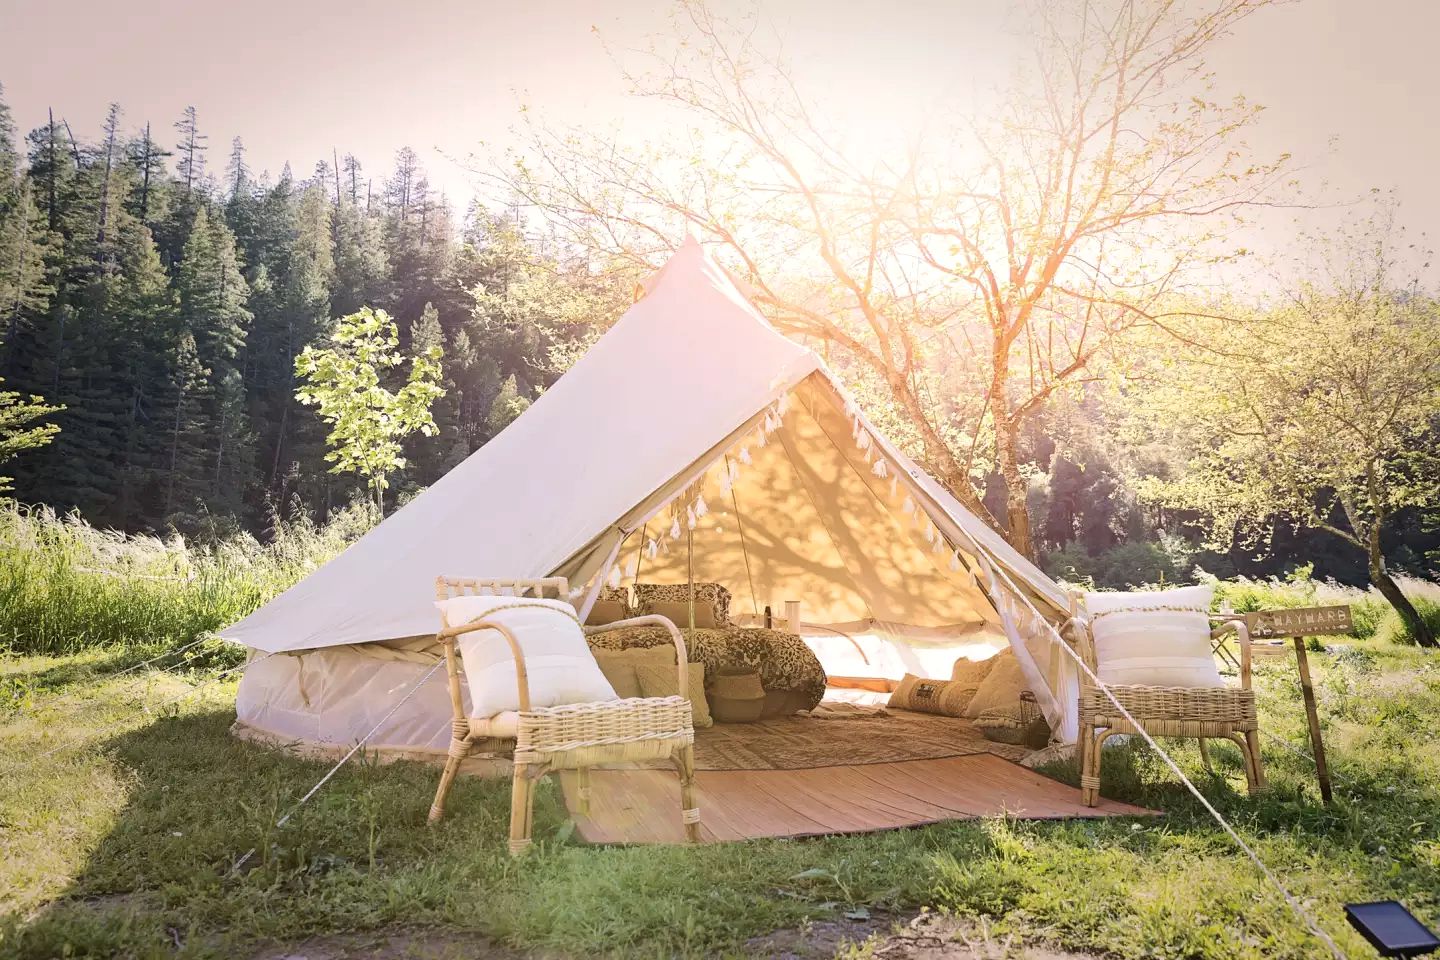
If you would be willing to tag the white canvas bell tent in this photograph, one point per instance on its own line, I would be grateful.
(692, 440)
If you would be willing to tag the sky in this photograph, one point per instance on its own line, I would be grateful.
(1348, 85)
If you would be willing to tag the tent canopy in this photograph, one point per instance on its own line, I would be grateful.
(599, 469)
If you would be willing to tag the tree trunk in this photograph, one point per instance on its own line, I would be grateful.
(1007, 428)
(1017, 503)
(1390, 590)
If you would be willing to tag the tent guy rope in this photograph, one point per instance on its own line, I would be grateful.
(343, 760)
(120, 673)
(1290, 899)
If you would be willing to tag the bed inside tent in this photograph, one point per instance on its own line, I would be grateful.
(796, 501)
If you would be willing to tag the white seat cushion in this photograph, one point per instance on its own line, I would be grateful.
(558, 662)
(1154, 638)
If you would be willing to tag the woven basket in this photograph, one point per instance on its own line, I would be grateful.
(736, 695)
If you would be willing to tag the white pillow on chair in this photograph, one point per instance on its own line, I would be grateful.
(1154, 638)
(558, 662)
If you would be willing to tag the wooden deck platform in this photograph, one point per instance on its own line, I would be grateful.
(643, 806)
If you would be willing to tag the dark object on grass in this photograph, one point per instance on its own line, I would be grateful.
(1391, 929)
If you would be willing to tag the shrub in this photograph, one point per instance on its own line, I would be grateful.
(1391, 629)
(1124, 567)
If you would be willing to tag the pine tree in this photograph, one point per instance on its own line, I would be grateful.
(9, 157)
(149, 161)
(145, 310)
(191, 150)
(361, 265)
(237, 173)
(185, 459)
(427, 460)
(212, 294)
(108, 161)
(303, 316)
(52, 171)
(25, 288)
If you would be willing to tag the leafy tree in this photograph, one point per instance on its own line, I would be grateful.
(959, 287)
(367, 420)
(18, 430)
(1322, 410)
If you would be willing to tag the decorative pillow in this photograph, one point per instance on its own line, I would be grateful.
(712, 603)
(948, 698)
(972, 671)
(678, 612)
(1154, 638)
(606, 611)
(621, 674)
(558, 662)
(612, 604)
(999, 692)
(658, 681)
(619, 666)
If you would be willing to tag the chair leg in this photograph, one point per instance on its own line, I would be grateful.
(1090, 766)
(689, 809)
(582, 790)
(522, 801)
(458, 751)
(1251, 784)
(1252, 743)
(1205, 756)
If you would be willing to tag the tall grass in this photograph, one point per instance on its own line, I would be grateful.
(66, 586)
(1372, 614)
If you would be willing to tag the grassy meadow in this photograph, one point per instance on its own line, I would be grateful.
(130, 841)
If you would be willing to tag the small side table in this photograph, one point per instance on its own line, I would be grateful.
(1269, 630)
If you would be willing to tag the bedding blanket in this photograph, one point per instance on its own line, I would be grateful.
(785, 664)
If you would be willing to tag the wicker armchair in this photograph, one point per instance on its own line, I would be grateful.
(1199, 712)
(571, 736)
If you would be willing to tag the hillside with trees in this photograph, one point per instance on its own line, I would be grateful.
(156, 296)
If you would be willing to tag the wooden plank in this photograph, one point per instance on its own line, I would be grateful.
(1300, 622)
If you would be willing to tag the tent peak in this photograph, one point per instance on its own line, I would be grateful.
(693, 259)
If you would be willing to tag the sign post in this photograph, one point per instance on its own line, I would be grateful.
(1299, 623)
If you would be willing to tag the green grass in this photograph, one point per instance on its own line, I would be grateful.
(127, 845)
(66, 586)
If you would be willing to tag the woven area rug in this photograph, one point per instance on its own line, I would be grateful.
(801, 743)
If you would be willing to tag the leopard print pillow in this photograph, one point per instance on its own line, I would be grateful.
(711, 595)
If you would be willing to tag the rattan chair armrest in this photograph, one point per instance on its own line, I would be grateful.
(682, 657)
(1241, 632)
(448, 635)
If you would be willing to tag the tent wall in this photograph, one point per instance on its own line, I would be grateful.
(806, 519)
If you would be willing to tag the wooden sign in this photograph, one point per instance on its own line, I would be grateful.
(1300, 622)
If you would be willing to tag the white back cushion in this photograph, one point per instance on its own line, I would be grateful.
(1154, 638)
(558, 662)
